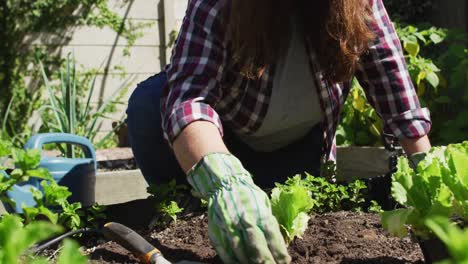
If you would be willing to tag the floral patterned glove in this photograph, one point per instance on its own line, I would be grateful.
(241, 226)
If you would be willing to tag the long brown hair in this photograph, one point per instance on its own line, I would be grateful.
(258, 30)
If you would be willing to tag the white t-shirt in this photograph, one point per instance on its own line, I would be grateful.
(294, 105)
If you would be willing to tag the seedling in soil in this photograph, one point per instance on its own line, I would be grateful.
(166, 197)
(291, 204)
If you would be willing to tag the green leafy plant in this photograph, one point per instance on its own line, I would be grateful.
(95, 215)
(438, 187)
(68, 254)
(16, 238)
(21, 166)
(55, 196)
(455, 239)
(448, 109)
(437, 61)
(291, 204)
(422, 70)
(292, 201)
(70, 112)
(329, 196)
(360, 125)
(166, 197)
(51, 202)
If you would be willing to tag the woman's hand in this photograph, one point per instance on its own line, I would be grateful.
(242, 228)
(416, 149)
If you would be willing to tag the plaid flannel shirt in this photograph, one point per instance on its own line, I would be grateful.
(203, 83)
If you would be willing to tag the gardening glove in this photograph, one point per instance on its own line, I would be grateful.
(415, 158)
(241, 226)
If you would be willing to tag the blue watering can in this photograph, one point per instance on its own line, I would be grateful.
(78, 174)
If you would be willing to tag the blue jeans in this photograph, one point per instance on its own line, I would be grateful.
(157, 161)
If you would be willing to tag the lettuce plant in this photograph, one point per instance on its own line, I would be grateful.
(291, 204)
(437, 187)
(453, 237)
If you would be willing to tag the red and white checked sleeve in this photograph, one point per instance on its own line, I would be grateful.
(195, 71)
(384, 76)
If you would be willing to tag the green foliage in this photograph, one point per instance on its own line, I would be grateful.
(68, 111)
(375, 207)
(454, 238)
(21, 166)
(438, 66)
(448, 108)
(292, 201)
(95, 215)
(24, 22)
(15, 238)
(422, 70)
(68, 254)
(165, 197)
(360, 125)
(51, 203)
(55, 196)
(328, 196)
(170, 209)
(290, 204)
(438, 187)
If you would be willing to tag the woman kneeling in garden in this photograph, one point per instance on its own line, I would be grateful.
(253, 94)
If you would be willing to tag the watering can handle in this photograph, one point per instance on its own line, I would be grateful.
(37, 141)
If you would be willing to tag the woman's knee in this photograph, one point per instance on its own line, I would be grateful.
(144, 101)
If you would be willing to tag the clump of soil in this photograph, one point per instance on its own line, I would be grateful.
(342, 237)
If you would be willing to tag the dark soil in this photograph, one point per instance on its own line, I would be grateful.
(343, 237)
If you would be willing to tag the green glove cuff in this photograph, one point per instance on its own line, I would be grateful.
(415, 158)
(216, 171)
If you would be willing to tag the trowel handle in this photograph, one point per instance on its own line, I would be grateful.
(134, 243)
(37, 142)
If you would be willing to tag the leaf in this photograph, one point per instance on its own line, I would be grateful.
(70, 253)
(436, 38)
(15, 238)
(433, 79)
(453, 237)
(171, 210)
(395, 221)
(421, 89)
(289, 202)
(40, 173)
(5, 148)
(412, 47)
(26, 160)
(421, 76)
(299, 225)
(55, 194)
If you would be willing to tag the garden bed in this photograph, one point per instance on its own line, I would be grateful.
(342, 237)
